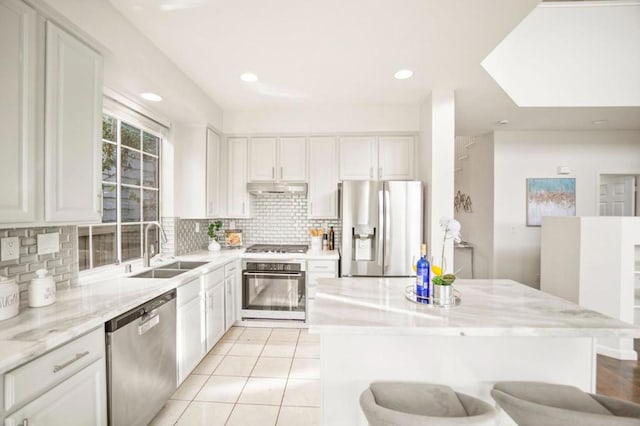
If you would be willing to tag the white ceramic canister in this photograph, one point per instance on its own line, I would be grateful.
(42, 290)
(9, 298)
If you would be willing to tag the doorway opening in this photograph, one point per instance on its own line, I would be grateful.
(617, 195)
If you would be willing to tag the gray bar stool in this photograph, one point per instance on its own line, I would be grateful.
(414, 404)
(535, 403)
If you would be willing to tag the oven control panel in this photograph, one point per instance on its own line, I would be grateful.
(273, 266)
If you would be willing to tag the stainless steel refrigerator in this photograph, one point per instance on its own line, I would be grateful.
(381, 227)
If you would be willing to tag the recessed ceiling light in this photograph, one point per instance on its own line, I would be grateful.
(403, 74)
(599, 122)
(151, 97)
(503, 122)
(249, 77)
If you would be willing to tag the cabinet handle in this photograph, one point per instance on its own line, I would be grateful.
(59, 367)
(380, 173)
(281, 172)
(243, 207)
(273, 173)
(311, 207)
(101, 202)
(371, 172)
(25, 422)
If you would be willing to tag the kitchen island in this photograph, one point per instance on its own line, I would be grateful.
(502, 330)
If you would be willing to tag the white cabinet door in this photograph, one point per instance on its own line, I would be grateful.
(190, 333)
(215, 314)
(73, 111)
(292, 156)
(214, 205)
(18, 112)
(78, 401)
(230, 302)
(323, 178)
(262, 159)
(397, 158)
(358, 158)
(312, 282)
(238, 197)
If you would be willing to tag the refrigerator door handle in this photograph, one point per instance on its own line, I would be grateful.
(387, 227)
(381, 223)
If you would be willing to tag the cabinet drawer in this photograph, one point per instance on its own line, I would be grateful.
(188, 292)
(32, 379)
(321, 265)
(214, 277)
(230, 268)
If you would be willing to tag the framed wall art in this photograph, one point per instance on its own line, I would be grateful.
(550, 197)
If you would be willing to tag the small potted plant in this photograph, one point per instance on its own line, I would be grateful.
(443, 282)
(214, 228)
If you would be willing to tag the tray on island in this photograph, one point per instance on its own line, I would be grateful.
(410, 294)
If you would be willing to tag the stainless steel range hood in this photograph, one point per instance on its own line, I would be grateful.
(276, 188)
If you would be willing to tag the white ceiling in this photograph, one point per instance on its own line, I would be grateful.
(312, 53)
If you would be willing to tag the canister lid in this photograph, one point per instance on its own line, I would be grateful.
(41, 273)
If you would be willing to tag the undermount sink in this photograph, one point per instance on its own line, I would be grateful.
(181, 264)
(159, 273)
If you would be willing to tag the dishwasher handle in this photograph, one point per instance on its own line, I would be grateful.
(142, 310)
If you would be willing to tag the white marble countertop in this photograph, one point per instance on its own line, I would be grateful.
(488, 308)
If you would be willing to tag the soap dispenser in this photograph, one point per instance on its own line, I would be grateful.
(42, 290)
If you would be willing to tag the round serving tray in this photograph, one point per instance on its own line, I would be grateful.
(410, 294)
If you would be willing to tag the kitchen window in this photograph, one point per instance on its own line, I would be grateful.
(130, 195)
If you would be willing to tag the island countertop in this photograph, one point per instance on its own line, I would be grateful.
(488, 308)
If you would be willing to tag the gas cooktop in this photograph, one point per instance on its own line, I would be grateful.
(276, 248)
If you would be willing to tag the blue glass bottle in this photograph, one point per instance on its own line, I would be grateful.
(423, 275)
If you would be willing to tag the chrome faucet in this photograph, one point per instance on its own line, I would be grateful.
(146, 257)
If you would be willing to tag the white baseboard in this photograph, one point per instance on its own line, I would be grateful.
(623, 355)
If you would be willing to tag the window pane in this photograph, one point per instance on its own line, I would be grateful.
(150, 171)
(108, 128)
(130, 204)
(108, 162)
(104, 245)
(150, 206)
(130, 135)
(109, 203)
(83, 247)
(150, 143)
(130, 167)
(131, 245)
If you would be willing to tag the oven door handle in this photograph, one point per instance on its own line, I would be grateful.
(260, 274)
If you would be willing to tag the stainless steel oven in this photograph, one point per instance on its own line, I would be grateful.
(274, 289)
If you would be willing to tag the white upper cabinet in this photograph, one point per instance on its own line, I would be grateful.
(73, 112)
(323, 178)
(358, 158)
(292, 155)
(18, 112)
(262, 159)
(278, 159)
(198, 174)
(238, 197)
(396, 156)
(377, 158)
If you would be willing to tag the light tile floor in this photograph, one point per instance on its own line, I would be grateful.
(253, 376)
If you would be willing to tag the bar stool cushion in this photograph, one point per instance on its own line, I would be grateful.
(413, 404)
(534, 403)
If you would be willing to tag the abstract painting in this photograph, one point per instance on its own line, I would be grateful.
(550, 197)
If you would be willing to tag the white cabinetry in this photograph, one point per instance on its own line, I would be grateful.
(317, 269)
(232, 283)
(377, 158)
(214, 307)
(277, 159)
(73, 111)
(18, 112)
(66, 386)
(238, 198)
(199, 172)
(323, 178)
(190, 331)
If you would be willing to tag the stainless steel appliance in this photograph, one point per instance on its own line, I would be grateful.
(381, 227)
(273, 283)
(141, 361)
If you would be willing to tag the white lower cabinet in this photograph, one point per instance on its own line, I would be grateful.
(232, 283)
(190, 328)
(317, 269)
(64, 387)
(214, 307)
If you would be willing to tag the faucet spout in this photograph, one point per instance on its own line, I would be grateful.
(146, 257)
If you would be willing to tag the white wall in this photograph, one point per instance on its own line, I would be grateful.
(476, 180)
(530, 154)
(399, 118)
(132, 63)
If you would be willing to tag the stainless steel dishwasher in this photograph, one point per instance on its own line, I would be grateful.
(141, 361)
